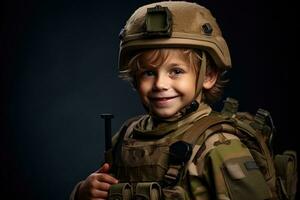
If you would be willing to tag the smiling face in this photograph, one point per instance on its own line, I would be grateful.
(165, 81)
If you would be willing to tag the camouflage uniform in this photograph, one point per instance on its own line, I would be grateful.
(220, 165)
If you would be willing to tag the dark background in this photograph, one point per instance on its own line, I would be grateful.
(59, 71)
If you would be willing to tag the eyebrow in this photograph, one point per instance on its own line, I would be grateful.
(179, 65)
(170, 65)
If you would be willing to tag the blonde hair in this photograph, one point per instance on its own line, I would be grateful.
(156, 57)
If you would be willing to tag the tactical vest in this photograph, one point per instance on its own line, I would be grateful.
(155, 168)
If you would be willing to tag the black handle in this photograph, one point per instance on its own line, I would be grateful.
(107, 120)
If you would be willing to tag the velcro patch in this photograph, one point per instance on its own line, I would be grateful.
(235, 170)
(251, 165)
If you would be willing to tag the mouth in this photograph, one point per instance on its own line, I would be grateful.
(162, 98)
(162, 101)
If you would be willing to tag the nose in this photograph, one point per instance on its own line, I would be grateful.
(161, 82)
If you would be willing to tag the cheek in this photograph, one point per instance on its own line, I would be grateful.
(143, 88)
(188, 87)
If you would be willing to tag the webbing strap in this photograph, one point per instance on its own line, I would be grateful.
(172, 175)
(286, 171)
(193, 134)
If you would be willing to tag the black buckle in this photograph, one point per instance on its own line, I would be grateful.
(180, 153)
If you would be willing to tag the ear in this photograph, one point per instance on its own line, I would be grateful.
(210, 79)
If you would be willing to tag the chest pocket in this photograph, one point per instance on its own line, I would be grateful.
(143, 161)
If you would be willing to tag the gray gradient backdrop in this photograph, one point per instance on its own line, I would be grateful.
(59, 71)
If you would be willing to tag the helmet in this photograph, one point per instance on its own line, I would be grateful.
(173, 24)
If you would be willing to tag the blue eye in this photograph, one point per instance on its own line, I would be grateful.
(176, 72)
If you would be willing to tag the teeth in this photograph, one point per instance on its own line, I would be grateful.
(164, 99)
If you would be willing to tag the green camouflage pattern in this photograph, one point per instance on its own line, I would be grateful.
(223, 170)
(217, 172)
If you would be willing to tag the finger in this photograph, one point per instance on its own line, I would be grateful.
(98, 199)
(104, 169)
(106, 178)
(99, 194)
(101, 185)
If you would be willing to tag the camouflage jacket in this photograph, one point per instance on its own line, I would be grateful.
(220, 167)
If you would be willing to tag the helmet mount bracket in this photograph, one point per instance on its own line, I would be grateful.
(158, 22)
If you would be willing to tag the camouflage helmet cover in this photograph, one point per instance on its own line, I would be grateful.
(182, 24)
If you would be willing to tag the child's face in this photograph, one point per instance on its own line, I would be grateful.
(167, 88)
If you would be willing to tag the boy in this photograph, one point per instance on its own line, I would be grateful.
(174, 55)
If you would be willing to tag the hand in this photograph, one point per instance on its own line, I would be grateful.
(96, 185)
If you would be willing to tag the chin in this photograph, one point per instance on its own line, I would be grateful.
(165, 114)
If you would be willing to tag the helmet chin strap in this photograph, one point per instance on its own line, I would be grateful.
(193, 106)
(201, 77)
